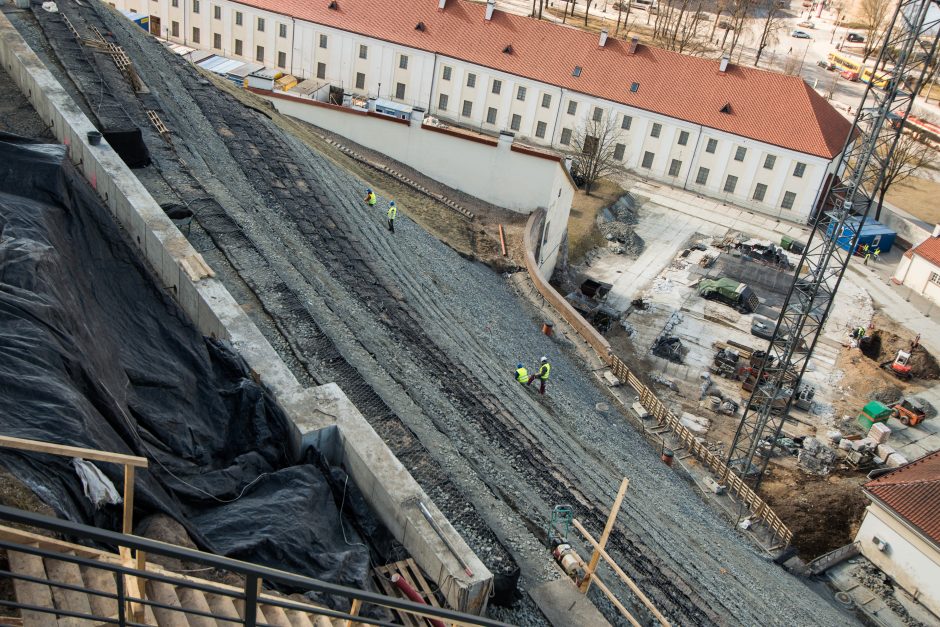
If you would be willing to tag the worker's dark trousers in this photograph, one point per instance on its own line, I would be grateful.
(391, 226)
(541, 383)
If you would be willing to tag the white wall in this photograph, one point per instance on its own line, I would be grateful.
(915, 273)
(910, 560)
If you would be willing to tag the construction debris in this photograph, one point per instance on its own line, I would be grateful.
(815, 457)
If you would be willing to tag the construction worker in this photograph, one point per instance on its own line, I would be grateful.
(859, 333)
(392, 214)
(875, 254)
(867, 257)
(370, 198)
(542, 375)
(521, 374)
(864, 249)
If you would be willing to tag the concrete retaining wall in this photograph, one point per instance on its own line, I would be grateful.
(350, 440)
(910, 230)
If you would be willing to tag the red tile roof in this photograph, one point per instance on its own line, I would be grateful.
(769, 107)
(929, 249)
(913, 492)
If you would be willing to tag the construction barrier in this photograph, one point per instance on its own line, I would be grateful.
(760, 511)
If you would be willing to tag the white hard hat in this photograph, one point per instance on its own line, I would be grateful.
(544, 359)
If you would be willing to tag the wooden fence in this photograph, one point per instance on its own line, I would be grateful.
(759, 509)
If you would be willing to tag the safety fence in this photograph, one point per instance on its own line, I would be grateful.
(760, 511)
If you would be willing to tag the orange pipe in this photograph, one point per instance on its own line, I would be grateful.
(502, 241)
(410, 592)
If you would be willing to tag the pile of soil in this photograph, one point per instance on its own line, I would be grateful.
(884, 346)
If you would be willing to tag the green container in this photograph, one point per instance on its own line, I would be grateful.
(878, 412)
(865, 422)
(785, 242)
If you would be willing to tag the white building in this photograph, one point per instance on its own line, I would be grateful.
(900, 533)
(919, 268)
(758, 139)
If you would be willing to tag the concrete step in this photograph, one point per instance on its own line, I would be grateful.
(102, 581)
(195, 600)
(299, 619)
(223, 606)
(259, 615)
(166, 594)
(276, 615)
(30, 593)
(71, 600)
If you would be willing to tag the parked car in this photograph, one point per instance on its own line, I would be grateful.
(807, 24)
(849, 75)
(801, 34)
(855, 38)
(825, 64)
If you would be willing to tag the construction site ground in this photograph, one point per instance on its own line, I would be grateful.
(823, 511)
(424, 341)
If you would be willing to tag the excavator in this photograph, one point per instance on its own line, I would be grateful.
(900, 366)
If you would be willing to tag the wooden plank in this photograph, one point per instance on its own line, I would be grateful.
(611, 519)
(616, 603)
(419, 577)
(70, 451)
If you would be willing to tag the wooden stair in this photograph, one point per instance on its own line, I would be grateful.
(177, 595)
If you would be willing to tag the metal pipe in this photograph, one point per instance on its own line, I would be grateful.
(440, 534)
(412, 594)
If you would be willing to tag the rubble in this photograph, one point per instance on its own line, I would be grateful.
(815, 457)
(880, 584)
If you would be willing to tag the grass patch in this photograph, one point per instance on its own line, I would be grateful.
(918, 197)
(583, 234)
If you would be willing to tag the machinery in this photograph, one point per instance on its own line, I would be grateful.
(557, 535)
(729, 292)
(906, 56)
(900, 366)
(726, 363)
(908, 412)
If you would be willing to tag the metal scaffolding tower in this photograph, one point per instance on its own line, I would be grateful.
(910, 46)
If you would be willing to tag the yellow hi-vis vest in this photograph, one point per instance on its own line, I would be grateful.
(371, 199)
(392, 212)
(544, 371)
(522, 375)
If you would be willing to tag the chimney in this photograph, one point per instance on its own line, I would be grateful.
(505, 140)
(936, 231)
(724, 64)
(603, 39)
(634, 42)
(440, 5)
(417, 116)
(490, 7)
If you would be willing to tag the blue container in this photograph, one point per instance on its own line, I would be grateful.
(874, 233)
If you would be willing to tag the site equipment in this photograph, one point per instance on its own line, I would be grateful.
(873, 412)
(909, 49)
(908, 412)
(589, 299)
(900, 365)
(729, 292)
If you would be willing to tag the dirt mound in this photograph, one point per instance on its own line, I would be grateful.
(884, 346)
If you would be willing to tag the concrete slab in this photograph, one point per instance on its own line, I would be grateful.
(564, 606)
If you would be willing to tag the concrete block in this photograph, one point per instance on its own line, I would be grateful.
(894, 460)
(884, 451)
(713, 486)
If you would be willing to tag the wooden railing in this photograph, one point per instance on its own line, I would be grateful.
(760, 510)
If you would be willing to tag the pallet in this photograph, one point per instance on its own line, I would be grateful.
(410, 572)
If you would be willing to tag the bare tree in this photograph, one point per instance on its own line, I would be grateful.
(677, 26)
(910, 155)
(587, 10)
(596, 144)
(874, 15)
(773, 22)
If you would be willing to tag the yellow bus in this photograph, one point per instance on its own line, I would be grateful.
(844, 63)
(880, 79)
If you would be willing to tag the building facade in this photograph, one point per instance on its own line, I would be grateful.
(919, 268)
(779, 178)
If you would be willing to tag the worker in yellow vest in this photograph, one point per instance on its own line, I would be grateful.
(370, 198)
(544, 370)
(392, 214)
(521, 374)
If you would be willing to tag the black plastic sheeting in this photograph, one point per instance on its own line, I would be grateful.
(94, 354)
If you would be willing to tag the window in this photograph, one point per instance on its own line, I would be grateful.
(259, 54)
(565, 136)
(683, 138)
(590, 145)
(546, 101)
(760, 191)
(238, 18)
(282, 60)
(711, 145)
(400, 91)
(799, 169)
(540, 129)
(323, 41)
(402, 61)
(195, 35)
(625, 122)
(195, 6)
(674, 166)
(282, 31)
(467, 108)
(260, 24)
(572, 107)
(217, 40)
(740, 153)
(935, 278)
(446, 75)
(175, 4)
(471, 80)
(656, 130)
(491, 116)
(516, 122)
(520, 93)
(619, 151)
(730, 183)
(769, 162)
(217, 13)
(442, 102)
(702, 177)
(598, 114)
(321, 70)
(238, 47)
(497, 86)
(788, 199)
(576, 72)
(175, 29)
(648, 160)
(363, 51)
(360, 80)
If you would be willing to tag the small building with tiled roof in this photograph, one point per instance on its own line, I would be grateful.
(900, 533)
(760, 139)
(919, 268)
